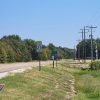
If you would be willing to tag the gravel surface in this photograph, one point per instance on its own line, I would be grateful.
(5, 69)
(22, 65)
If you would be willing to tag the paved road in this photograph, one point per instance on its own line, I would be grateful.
(22, 65)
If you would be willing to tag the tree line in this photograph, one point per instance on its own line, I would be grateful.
(87, 50)
(14, 49)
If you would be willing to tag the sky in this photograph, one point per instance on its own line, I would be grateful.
(50, 21)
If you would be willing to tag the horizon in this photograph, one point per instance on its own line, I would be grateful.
(36, 41)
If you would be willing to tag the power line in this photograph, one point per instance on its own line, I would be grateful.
(84, 31)
(91, 36)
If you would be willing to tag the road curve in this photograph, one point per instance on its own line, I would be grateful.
(22, 65)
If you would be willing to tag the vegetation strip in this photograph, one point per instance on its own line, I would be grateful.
(61, 83)
(88, 85)
(14, 49)
(52, 84)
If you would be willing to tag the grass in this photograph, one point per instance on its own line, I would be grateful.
(48, 84)
(51, 84)
(87, 85)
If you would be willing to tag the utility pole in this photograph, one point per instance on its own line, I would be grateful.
(84, 32)
(74, 53)
(82, 44)
(78, 50)
(96, 52)
(91, 36)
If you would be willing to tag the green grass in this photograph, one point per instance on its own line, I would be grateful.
(87, 85)
(48, 84)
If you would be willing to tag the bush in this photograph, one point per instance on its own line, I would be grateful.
(95, 65)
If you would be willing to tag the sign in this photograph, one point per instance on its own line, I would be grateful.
(39, 49)
(54, 53)
(52, 57)
(39, 46)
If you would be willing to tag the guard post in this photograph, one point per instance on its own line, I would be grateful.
(54, 56)
(53, 61)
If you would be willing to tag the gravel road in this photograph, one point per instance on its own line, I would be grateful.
(22, 65)
(5, 69)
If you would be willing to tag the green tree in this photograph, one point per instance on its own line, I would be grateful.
(46, 54)
(88, 48)
(3, 55)
(31, 46)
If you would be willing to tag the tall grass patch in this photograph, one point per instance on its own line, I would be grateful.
(88, 85)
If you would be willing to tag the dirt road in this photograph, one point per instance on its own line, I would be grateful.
(22, 65)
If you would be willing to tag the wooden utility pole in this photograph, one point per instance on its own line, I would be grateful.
(85, 31)
(96, 51)
(82, 44)
(91, 36)
(74, 52)
(78, 50)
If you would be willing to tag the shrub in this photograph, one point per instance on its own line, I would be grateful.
(95, 65)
